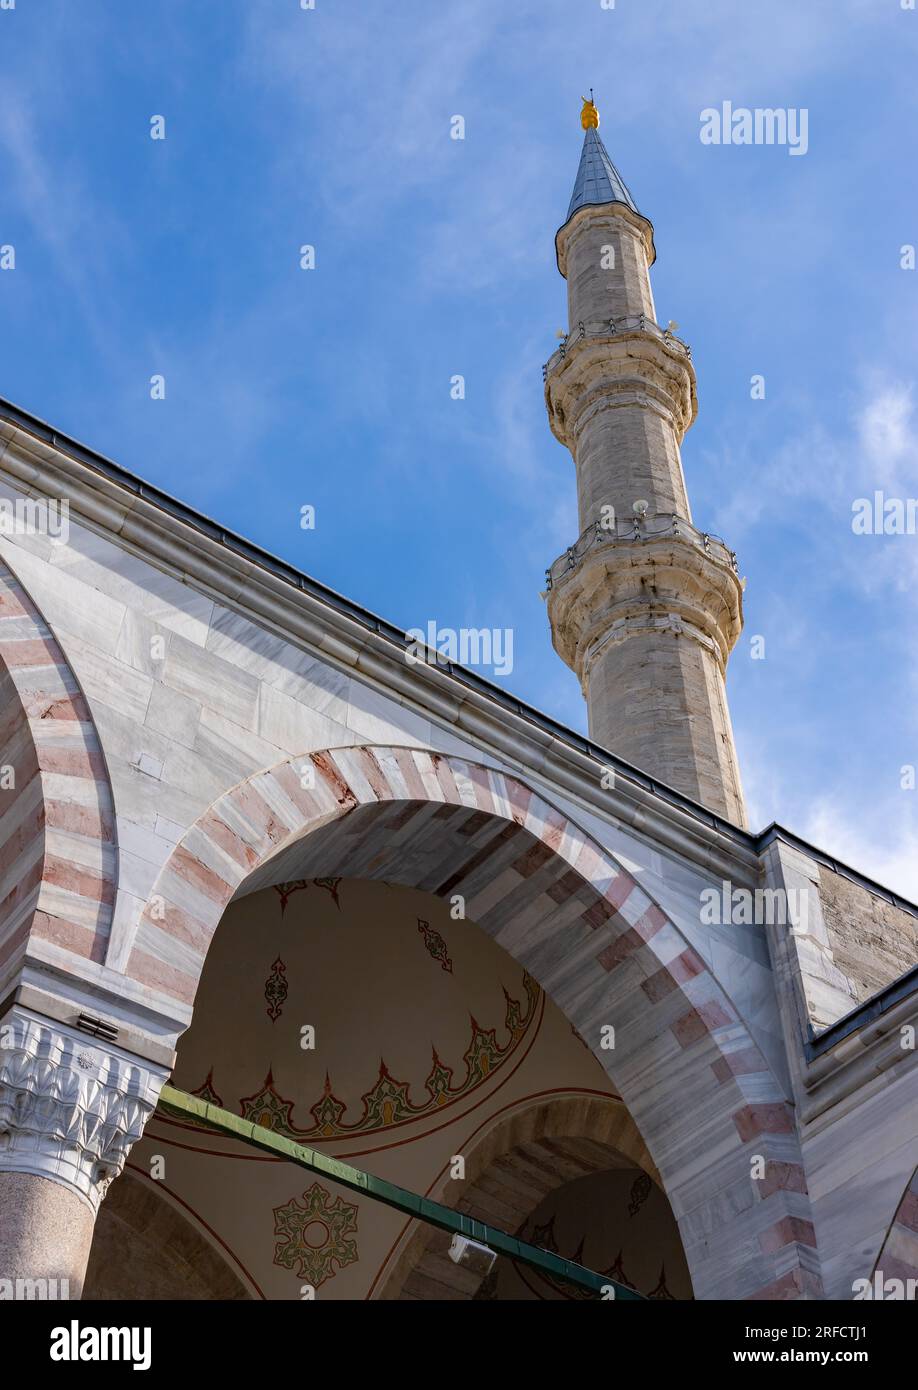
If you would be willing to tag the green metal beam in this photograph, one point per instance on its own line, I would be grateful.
(420, 1208)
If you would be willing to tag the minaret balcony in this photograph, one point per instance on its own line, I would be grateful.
(609, 358)
(634, 531)
(645, 574)
(611, 328)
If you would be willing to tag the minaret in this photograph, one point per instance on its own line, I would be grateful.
(644, 607)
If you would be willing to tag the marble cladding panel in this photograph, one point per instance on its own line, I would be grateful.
(859, 1166)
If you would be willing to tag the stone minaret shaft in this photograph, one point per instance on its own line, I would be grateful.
(644, 607)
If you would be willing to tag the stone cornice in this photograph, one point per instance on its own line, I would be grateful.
(176, 540)
(866, 1059)
(638, 625)
(70, 1108)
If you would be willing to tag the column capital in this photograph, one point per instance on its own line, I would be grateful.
(71, 1108)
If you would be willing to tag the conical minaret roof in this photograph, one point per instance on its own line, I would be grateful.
(598, 180)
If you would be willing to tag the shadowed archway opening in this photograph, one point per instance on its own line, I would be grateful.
(553, 1173)
(144, 1247)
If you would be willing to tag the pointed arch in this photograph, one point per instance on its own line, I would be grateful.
(711, 1111)
(146, 1247)
(509, 1169)
(57, 828)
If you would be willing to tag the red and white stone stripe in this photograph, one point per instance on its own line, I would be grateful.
(57, 838)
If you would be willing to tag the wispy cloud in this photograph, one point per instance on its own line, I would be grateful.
(76, 230)
(889, 855)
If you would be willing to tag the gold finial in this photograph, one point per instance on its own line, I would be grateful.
(589, 116)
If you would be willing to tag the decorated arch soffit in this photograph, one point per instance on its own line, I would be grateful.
(357, 966)
(392, 1102)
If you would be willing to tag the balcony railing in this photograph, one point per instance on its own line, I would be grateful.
(608, 328)
(635, 530)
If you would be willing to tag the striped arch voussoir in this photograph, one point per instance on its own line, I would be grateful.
(57, 837)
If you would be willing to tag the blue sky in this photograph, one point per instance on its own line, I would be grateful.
(434, 257)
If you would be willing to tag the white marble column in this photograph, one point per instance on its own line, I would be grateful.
(71, 1108)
